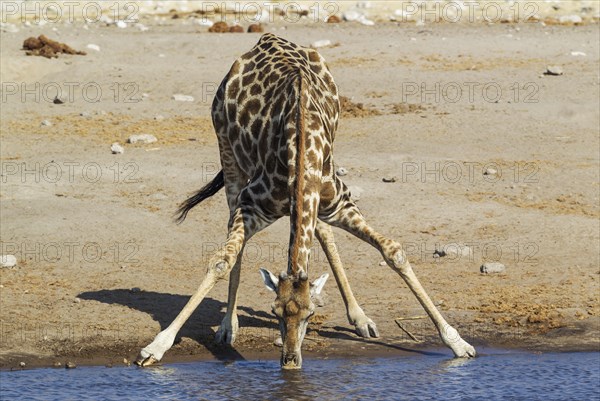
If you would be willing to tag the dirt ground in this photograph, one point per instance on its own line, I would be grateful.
(102, 268)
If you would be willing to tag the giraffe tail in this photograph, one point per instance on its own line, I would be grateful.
(206, 192)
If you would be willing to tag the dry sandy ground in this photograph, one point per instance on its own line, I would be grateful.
(102, 267)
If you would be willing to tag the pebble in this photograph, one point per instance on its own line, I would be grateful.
(135, 289)
(341, 171)
(159, 117)
(92, 46)
(382, 263)
(203, 22)
(141, 27)
(320, 43)
(389, 179)
(256, 28)
(454, 249)
(356, 192)
(84, 114)
(570, 19)
(351, 15)
(46, 123)
(126, 362)
(8, 261)
(57, 365)
(554, 70)
(10, 28)
(117, 149)
(121, 24)
(278, 342)
(490, 171)
(142, 138)
(365, 21)
(578, 54)
(77, 301)
(183, 98)
(70, 365)
(22, 364)
(492, 267)
(334, 19)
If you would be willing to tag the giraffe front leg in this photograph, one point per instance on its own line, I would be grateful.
(364, 326)
(229, 326)
(350, 219)
(243, 224)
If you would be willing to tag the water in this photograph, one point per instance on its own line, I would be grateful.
(428, 376)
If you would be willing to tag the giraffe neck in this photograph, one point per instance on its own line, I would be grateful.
(305, 193)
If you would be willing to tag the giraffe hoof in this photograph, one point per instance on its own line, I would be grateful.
(145, 361)
(367, 329)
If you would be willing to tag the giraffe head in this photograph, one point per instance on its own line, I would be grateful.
(293, 307)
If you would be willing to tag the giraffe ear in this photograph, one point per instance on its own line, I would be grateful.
(317, 285)
(271, 281)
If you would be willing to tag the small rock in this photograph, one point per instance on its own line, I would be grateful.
(256, 28)
(236, 29)
(159, 117)
(570, 19)
(383, 263)
(219, 27)
(490, 171)
(492, 267)
(70, 365)
(57, 365)
(389, 179)
(454, 249)
(142, 138)
(334, 19)
(135, 289)
(126, 362)
(340, 172)
(46, 123)
(141, 27)
(278, 342)
(183, 98)
(77, 301)
(58, 100)
(121, 24)
(8, 261)
(92, 46)
(84, 114)
(578, 54)
(203, 22)
(320, 43)
(22, 364)
(554, 70)
(117, 149)
(363, 20)
(351, 15)
(356, 192)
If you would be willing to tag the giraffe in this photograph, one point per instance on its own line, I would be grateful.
(275, 115)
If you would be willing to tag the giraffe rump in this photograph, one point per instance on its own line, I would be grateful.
(206, 192)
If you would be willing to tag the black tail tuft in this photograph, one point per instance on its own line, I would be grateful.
(206, 192)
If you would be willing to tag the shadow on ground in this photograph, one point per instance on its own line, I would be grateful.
(164, 308)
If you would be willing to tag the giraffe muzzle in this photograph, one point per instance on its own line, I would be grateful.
(291, 361)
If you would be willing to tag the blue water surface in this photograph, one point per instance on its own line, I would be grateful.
(496, 375)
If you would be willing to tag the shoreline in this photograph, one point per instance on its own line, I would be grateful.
(190, 351)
